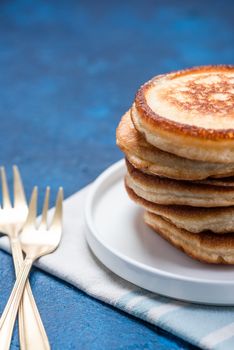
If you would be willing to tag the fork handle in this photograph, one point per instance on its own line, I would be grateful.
(8, 317)
(31, 330)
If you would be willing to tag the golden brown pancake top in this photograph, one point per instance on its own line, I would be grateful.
(204, 94)
(197, 101)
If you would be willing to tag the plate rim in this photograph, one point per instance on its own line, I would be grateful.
(117, 167)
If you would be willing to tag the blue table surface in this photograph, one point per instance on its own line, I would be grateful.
(68, 71)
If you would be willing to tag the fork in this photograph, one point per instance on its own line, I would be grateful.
(12, 218)
(36, 241)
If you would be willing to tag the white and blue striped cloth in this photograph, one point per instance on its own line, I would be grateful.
(209, 327)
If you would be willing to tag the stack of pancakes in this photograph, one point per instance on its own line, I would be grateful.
(178, 139)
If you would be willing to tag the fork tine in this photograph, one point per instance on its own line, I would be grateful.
(57, 218)
(32, 211)
(45, 208)
(6, 202)
(19, 195)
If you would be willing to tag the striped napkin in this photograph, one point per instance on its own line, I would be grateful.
(208, 327)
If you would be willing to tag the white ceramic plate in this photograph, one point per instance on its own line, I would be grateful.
(119, 238)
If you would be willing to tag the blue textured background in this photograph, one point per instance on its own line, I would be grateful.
(68, 71)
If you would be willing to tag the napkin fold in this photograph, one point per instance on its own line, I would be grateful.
(208, 327)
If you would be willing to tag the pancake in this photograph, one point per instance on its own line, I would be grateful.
(206, 247)
(189, 113)
(152, 160)
(193, 219)
(167, 191)
(224, 181)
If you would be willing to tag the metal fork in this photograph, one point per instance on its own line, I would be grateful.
(35, 242)
(12, 218)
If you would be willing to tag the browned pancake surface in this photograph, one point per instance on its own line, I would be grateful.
(206, 247)
(189, 113)
(167, 191)
(195, 94)
(152, 160)
(218, 220)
